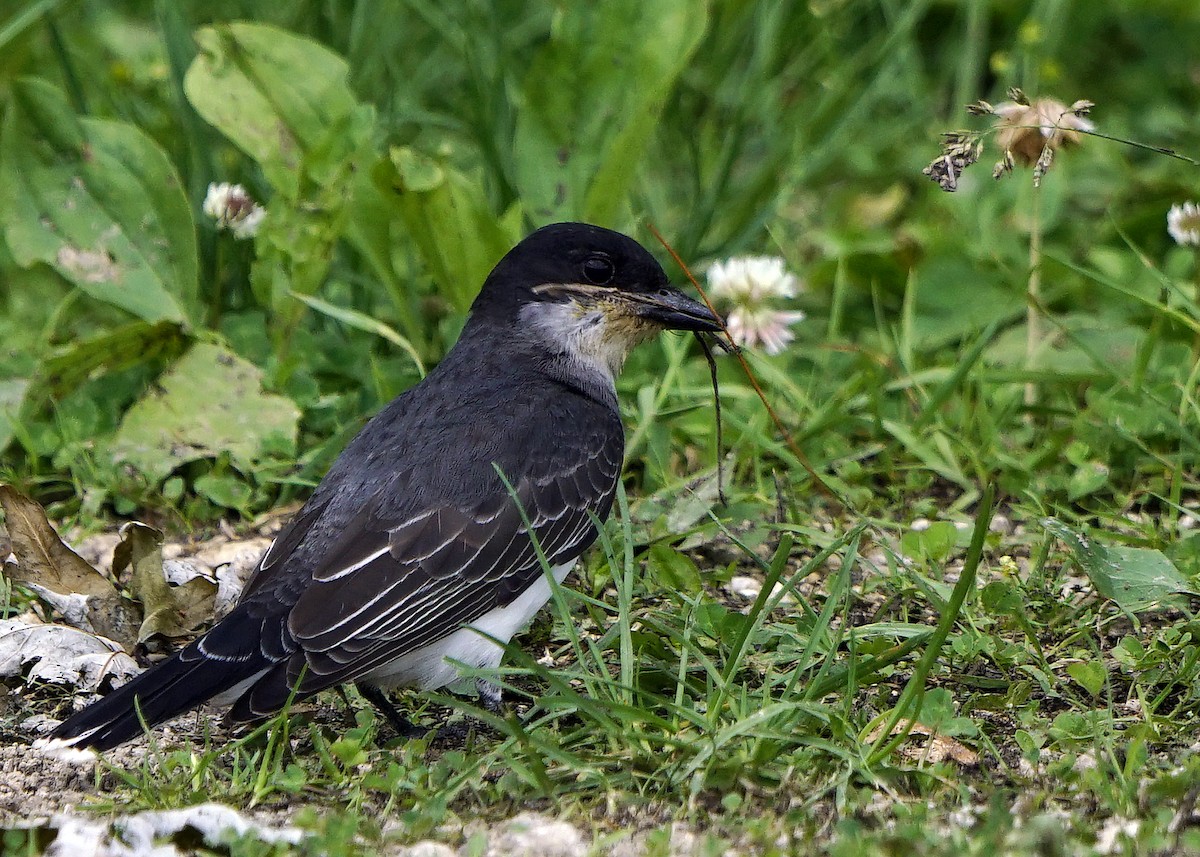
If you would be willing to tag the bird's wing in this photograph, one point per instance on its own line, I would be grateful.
(385, 590)
(285, 544)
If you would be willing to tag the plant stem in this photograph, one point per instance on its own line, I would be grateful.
(1196, 274)
(1033, 332)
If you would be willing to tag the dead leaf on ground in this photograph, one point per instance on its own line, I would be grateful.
(172, 611)
(169, 831)
(47, 565)
(61, 655)
(234, 563)
(939, 748)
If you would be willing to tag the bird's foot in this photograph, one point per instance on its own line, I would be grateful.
(489, 696)
(404, 727)
(458, 732)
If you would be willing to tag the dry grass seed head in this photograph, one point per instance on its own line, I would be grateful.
(960, 149)
(1028, 130)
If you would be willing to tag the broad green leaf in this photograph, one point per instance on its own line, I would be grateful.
(1089, 675)
(225, 489)
(286, 101)
(291, 779)
(591, 100)
(1002, 597)
(99, 202)
(450, 220)
(673, 570)
(1136, 579)
(1030, 746)
(1088, 344)
(1133, 411)
(12, 396)
(933, 543)
(129, 345)
(693, 504)
(718, 621)
(1070, 728)
(938, 712)
(68, 366)
(277, 96)
(941, 315)
(1129, 653)
(1088, 478)
(208, 403)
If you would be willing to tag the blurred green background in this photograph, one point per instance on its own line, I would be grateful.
(400, 147)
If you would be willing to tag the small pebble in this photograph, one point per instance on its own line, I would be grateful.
(532, 835)
(746, 587)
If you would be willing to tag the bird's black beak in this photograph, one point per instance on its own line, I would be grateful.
(674, 310)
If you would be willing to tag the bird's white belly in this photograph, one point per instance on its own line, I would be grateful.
(430, 667)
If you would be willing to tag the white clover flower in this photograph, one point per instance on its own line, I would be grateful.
(753, 278)
(768, 327)
(748, 285)
(234, 209)
(1183, 224)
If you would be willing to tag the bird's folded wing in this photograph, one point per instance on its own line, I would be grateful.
(387, 591)
(285, 543)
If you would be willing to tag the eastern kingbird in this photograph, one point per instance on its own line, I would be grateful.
(412, 543)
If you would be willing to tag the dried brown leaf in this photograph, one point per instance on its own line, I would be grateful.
(42, 557)
(939, 748)
(172, 611)
(48, 566)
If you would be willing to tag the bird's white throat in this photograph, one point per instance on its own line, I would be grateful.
(596, 337)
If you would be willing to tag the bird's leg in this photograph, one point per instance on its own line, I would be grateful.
(375, 696)
(456, 732)
(489, 696)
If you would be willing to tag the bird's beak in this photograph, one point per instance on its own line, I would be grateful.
(666, 307)
(672, 309)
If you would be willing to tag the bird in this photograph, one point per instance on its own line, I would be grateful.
(420, 546)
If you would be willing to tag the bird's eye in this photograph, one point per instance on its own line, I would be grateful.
(598, 270)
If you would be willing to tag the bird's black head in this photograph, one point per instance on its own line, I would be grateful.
(588, 271)
(586, 293)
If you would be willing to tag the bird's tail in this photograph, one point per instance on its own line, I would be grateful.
(172, 687)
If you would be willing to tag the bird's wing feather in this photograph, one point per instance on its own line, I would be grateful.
(285, 543)
(388, 590)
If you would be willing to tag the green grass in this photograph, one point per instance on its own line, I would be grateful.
(425, 139)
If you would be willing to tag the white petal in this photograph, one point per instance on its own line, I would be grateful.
(216, 199)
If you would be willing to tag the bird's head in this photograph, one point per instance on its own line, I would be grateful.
(589, 293)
